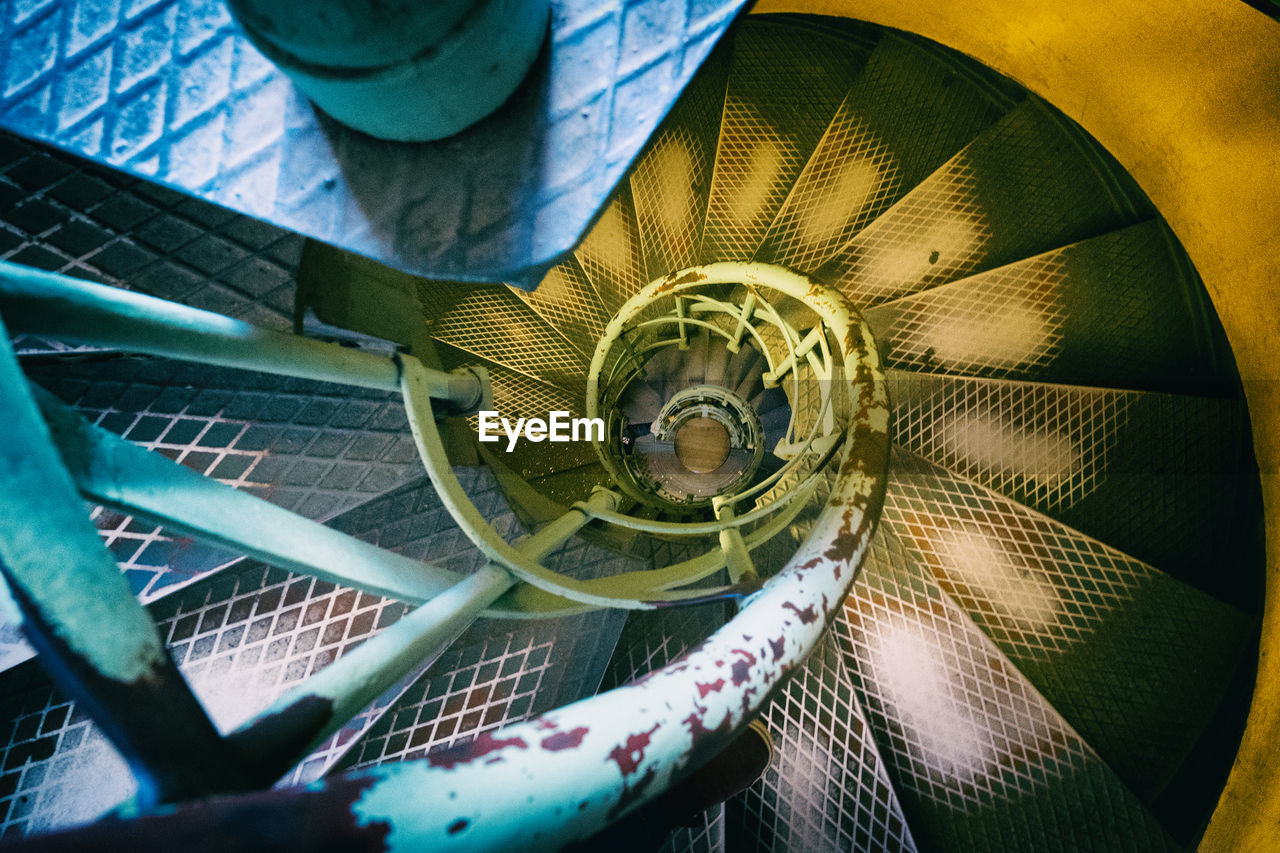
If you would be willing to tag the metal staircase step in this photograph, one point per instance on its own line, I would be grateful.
(1029, 183)
(1135, 660)
(785, 83)
(827, 788)
(671, 177)
(1165, 478)
(908, 111)
(1121, 310)
(980, 760)
(241, 638)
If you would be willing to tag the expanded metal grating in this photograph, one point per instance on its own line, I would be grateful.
(980, 759)
(567, 301)
(1163, 478)
(775, 109)
(1028, 184)
(1042, 445)
(1135, 660)
(610, 253)
(826, 788)
(500, 671)
(1113, 311)
(904, 117)
(670, 181)
(493, 323)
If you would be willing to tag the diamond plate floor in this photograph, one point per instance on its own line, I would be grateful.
(170, 90)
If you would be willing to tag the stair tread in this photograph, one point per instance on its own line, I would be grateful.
(670, 180)
(1165, 478)
(1027, 184)
(1118, 310)
(1133, 658)
(784, 85)
(876, 149)
(980, 759)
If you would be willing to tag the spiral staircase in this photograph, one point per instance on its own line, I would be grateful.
(1051, 641)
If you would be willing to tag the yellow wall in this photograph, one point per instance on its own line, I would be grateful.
(1186, 95)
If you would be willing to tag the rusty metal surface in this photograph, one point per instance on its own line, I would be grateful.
(173, 92)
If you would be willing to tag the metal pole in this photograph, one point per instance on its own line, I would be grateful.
(119, 473)
(94, 638)
(302, 718)
(70, 309)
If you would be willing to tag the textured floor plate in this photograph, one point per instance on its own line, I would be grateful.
(170, 90)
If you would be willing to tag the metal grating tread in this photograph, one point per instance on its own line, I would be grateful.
(1164, 478)
(906, 114)
(502, 671)
(827, 788)
(610, 253)
(489, 321)
(980, 760)
(1024, 186)
(1135, 660)
(1115, 311)
(785, 83)
(566, 299)
(670, 180)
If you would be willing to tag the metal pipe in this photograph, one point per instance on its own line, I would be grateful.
(93, 637)
(737, 558)
(74, 310)
(119, 473)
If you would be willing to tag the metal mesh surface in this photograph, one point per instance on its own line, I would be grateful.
(784, 85)
(500, 672)
(1114, 311)
(1163, 478)
(240, 639)
(979, 758)
(491, 322)
(567, 301)
(62, 214)
(610, 253)
(1026, 185)
(1135, 660)
(826, 788)
(670, 180)
(907, 113)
